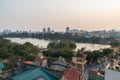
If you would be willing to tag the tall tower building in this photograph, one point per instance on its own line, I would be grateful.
(44, 30)
(67, 30)
(80, 59)
(48, 30)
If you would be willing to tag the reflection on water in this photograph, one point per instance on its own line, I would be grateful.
(43, 43)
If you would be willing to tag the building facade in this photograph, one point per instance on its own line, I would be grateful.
(112, 75)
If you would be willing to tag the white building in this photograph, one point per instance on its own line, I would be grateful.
(74, 31)
(104, 34)
(6, 31)
(112, 75)
(95, 34)
(118, 34)
(112, 69)
(112, 33)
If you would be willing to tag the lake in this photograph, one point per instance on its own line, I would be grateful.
(43, 43)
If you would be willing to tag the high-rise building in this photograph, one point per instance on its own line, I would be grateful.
(48, 30)
(6, 31)
(67, 30)
(44, 30)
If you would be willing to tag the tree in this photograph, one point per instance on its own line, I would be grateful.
(107, 51)
(53, 44)
(62, 44)
(60, 48)
(115, 43)
(4, 52)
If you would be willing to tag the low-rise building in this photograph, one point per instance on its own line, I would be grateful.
(112, 69)
(112, 74)
(41, 62)
(60, 64)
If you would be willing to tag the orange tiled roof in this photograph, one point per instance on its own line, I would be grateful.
(28, 62)
(71, 74)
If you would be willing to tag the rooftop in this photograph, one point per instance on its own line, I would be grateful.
(97, 73)
(60, 65)
(71, 74)
(28, 62)
(34, 74)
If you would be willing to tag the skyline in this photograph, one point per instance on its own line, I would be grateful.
(59, 14)
(53, 30)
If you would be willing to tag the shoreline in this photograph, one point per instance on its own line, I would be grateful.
(57, 40)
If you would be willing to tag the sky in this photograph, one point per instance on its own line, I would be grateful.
(59, 14)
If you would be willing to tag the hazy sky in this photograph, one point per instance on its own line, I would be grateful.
(58, 14)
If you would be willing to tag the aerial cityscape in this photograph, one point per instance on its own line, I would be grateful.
(59, 40)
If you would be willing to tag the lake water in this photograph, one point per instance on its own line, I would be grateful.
(43, 43)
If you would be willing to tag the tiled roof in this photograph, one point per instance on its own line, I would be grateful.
(28, 62)
(71, 74)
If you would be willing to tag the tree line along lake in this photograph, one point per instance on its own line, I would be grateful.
(43, 43)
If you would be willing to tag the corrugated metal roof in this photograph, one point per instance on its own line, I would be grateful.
(1, 65)
(34, 74)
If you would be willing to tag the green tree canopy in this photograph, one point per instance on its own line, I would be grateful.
(60, 48)
(26, 51)
(115, 43)
(61, 44)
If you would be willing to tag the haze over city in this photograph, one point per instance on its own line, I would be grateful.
(58, 14)
(59, 39)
